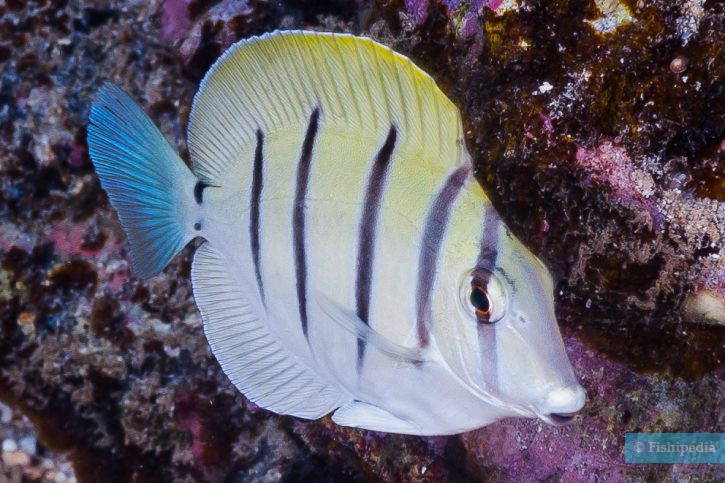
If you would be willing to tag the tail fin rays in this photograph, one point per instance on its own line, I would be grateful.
(146, 181)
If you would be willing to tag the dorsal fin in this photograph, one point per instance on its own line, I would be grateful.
(273, 82)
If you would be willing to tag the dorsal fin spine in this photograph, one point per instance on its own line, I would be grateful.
(268, 57)
(366, 86)
(300, 105)
(348, 81)
(334, 86)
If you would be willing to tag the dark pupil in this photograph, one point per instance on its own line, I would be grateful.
(479, 300)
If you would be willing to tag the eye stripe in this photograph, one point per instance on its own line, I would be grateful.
(489, 239)
(487, 259)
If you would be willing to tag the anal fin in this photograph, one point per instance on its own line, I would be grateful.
(254, 358)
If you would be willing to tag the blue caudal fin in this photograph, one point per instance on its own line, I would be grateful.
(146, 181)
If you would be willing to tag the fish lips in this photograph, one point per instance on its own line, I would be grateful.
(562, 404)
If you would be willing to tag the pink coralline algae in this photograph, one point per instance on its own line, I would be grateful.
(611, 165)
(418, 9)
(475, 5)
(470, 26)
(491, 4)
(174, 19)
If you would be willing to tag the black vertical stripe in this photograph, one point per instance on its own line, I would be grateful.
(435, 227)
(257, 186)
(368, 225)
(488, 253)
(298, 216)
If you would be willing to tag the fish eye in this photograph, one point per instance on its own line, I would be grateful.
(481, 302)
(484, 296)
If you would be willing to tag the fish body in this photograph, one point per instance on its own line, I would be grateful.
(351, 262)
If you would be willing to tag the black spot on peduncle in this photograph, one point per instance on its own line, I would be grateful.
(199, 191)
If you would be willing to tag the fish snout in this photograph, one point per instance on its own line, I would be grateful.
(562, 404)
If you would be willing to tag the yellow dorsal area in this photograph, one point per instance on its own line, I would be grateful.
(272, 83)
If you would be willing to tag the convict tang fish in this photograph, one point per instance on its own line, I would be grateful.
(351, 262)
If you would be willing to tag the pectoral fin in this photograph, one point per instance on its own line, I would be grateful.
(350, 322)
(367, 416)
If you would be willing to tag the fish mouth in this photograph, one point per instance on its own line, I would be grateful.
(560, 419)
(563, 404)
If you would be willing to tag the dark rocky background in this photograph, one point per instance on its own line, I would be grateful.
(598, 131)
